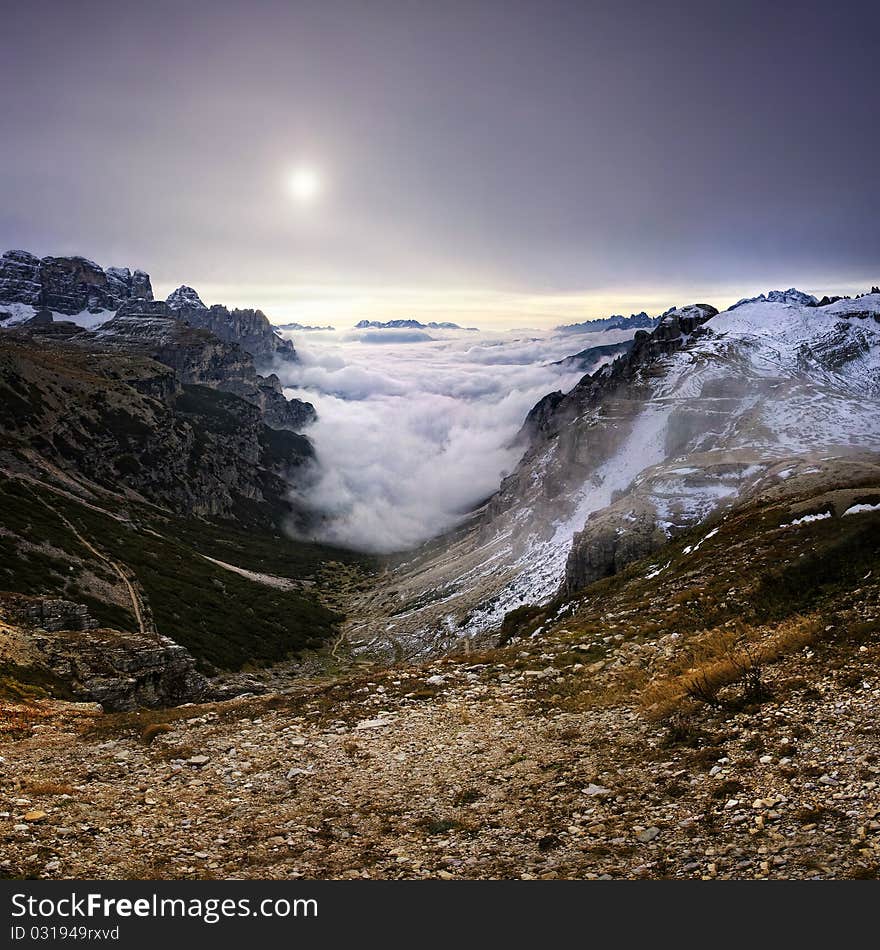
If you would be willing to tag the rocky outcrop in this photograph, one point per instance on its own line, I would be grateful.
(120, 670)
(609, 541)
(126, 422)
(49, 614)
(68, 285)
(250, 329)
(185, 297)
(539, 417)
(199, 357)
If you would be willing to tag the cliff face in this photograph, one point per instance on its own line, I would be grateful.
(127, 421)
(68, 285)
(250, 329)
(199, 357)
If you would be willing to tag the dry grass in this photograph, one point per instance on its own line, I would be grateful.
(48, 788)
(725, 657)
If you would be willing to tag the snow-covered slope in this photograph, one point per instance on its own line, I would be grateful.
(701, 414)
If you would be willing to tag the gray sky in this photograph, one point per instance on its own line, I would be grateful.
(491, 162)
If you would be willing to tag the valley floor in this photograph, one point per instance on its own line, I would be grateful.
(710, 711)
(472, 767)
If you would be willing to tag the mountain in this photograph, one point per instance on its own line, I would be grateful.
(590, 358)
(636, 321)
(148, 474)
(409, 325)
(300, 327)
(65, 285)
(705, 413)
(249, 329)
(791, 296)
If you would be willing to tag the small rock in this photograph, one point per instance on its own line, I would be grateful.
(649, 834)
(597, 791)
(373, 723)
(35, 816)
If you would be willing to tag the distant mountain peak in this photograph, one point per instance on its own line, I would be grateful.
(408, 325)
(635, 321)
(790, 296)
(185, 297)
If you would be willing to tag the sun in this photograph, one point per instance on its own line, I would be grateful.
(304, 184)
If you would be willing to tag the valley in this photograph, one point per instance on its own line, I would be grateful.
(650, 652)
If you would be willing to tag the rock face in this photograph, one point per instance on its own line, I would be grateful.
(58, 643)
(199, 357)
(68, 285)
(602, 549)
(250, 329)
(126, 421)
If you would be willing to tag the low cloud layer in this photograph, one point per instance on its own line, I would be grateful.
(414, 432)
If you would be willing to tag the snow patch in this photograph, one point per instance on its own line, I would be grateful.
(806, 519)
(860, 509)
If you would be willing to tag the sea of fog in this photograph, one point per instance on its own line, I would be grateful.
(415, 428)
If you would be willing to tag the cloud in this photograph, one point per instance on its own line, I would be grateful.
(410, 439)
(395, 336)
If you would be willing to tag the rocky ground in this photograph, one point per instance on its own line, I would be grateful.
(470, 767)
(708, 712)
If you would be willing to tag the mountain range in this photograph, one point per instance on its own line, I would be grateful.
(651, 653)
(409, 325)
(670, 429)
(636, 321)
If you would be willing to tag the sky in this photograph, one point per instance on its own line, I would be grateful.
(491, 162)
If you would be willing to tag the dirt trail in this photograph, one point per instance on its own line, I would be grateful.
(136, 605)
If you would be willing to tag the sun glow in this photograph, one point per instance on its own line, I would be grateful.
(304, 184)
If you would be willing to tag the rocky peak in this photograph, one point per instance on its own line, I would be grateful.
(68, 285)
(250, 329)
(185, 297)
(198, 356)
(790, 296)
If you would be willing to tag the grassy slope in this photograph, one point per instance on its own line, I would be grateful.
(756, 585)
(226, 620)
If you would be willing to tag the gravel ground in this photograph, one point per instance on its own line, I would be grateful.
(469, 767)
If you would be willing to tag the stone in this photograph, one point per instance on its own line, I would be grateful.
(649, 834)
(35, 816)
(373, 724)
(597, 791)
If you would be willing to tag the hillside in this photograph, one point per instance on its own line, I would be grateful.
(147, 475)
(702, 414)
(711, 714)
